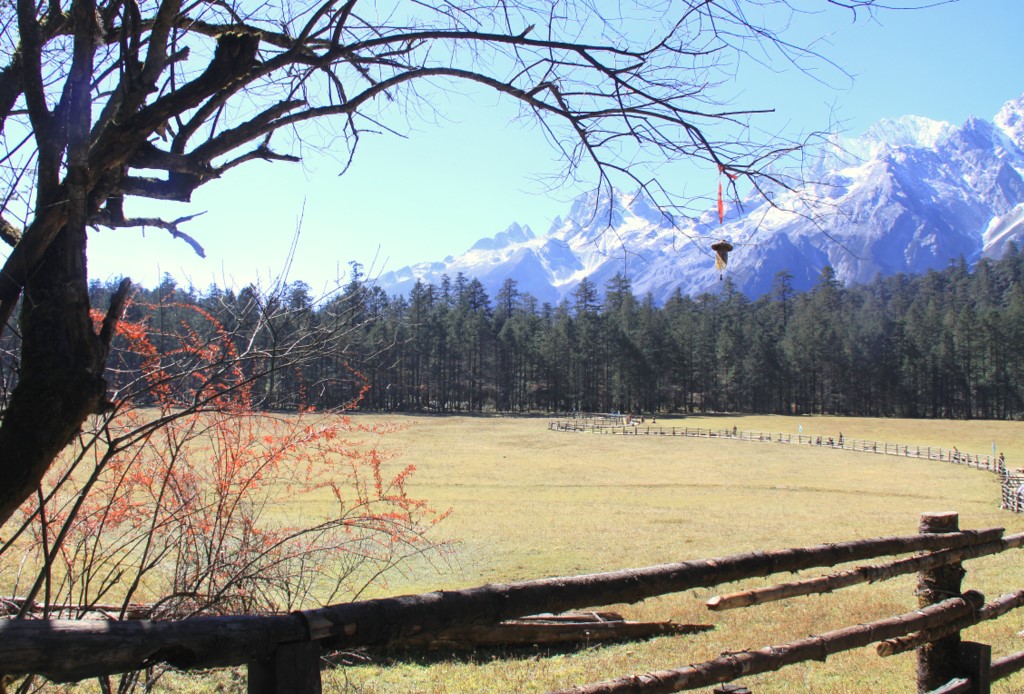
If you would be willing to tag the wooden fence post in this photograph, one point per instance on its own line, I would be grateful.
(294, 668)
(938, 661)
(976, 661)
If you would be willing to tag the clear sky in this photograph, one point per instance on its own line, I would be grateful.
(450, 183)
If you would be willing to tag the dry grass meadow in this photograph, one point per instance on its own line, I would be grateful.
(530, 503)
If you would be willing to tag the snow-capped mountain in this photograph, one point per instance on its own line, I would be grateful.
(909, 195)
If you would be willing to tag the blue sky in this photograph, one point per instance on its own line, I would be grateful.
(452, 182)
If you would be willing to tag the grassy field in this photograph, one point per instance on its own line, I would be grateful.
(530, 503)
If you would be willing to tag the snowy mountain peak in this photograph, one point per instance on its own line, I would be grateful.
(911, 194)
(907, 131)
(593, 214)
(513, 234)
(877, 142)
(1010, 120)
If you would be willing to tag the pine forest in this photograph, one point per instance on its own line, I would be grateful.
(947, 344)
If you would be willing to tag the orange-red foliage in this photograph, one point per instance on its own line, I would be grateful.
(199, 503)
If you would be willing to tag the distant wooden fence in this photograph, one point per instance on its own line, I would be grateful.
(283, 652)
(1012, 484)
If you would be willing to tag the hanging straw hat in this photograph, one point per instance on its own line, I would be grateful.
(721, 250)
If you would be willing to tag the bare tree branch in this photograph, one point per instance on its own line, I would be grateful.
(99, 87)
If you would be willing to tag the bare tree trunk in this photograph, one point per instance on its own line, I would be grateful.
(61, 380)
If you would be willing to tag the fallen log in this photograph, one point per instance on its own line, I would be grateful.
(546, 630)
(730, 666)
(865, 574)
(13, 605)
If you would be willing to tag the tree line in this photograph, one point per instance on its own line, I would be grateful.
(946, 344)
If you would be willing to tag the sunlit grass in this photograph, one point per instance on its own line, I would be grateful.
(530, 503)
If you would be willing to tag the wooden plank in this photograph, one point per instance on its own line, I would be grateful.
(958, 685)
(976, 664)
(293, 668)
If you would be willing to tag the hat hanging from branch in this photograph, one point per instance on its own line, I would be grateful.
(723, 247)
(721, 250)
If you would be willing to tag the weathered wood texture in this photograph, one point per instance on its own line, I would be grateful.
(733, 665)
(975, 661)
(937, 660)
(992, 610)
(293, 668)
(1007, 665)
(1013, 493)
(380, 621)
(66, 650)
(960, 685)
(575, 628)
(865, 574)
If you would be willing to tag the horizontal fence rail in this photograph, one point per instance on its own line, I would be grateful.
(42, 646)
(1012, 483)
(282, 652)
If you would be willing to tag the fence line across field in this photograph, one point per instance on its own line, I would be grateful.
(1012, 483)
(283, 652)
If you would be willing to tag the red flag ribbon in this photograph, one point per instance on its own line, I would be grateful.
(721, 202)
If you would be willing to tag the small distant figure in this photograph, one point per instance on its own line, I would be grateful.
(734, 431)
(840, 439)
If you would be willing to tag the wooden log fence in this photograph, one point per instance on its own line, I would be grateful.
(731, 666)
(1012, 483)
(1013, 493)
(863, 574)
(283, 652)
